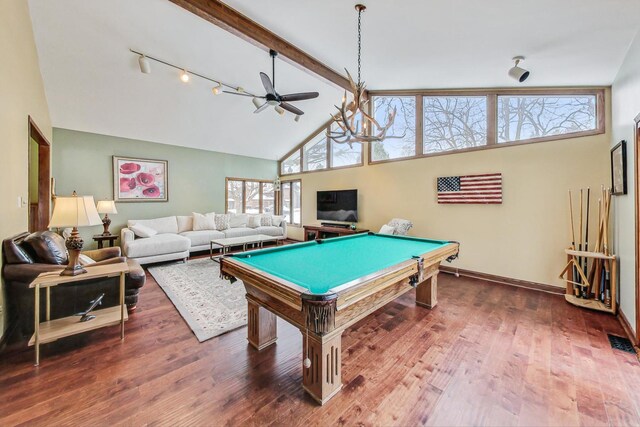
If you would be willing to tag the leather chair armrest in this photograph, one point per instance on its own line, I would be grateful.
(25, 273)
(103, 254)
(136, 277)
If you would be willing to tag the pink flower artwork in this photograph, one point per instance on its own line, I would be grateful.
(139, 180)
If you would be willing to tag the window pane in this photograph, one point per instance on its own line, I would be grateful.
(404, 124)
(315, 153)
(527, 117)
(297, 214)
(234, 197)
(252, 197)
(291, 164)
(285, 190)
(343, 154)
(454, 122)
(268, 202)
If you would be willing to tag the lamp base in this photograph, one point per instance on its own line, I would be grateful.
(106, 222)
(74, 245)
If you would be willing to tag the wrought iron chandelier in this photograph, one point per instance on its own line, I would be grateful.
(354, 122)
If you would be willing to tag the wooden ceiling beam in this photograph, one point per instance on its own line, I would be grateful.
(237, 24)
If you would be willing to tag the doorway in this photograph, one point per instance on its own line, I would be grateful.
(39, 178)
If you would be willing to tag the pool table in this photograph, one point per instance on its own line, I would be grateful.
(324, 286)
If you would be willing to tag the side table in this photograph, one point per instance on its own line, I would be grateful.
(100, 238)
(52, 330)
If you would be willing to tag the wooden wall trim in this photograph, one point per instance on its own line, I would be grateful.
(636, 229)
(542, 287)
(622, 318)
(239, 25)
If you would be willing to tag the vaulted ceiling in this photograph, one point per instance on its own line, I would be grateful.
(93, 82)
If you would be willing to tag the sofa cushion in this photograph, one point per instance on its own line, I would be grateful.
(239, 232)
(238, 220)
(46, 247)
(204, 221)
(222, 221)
(14, 253)
(266, 221)
(168, 224)
(185, 223)
(159, 244)
(277, 220)
(254, 221)
(270, 230)
(141, 230)
(202, 237)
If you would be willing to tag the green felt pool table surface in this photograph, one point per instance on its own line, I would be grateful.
(319, 267)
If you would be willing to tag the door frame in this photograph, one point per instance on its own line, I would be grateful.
(44, 175)
(636, 183)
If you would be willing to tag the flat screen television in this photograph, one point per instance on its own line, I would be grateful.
(340, 205)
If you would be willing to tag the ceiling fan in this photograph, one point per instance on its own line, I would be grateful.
(273, 98)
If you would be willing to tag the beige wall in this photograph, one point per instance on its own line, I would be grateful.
(523, 238)
(21, 95)
(626, 106)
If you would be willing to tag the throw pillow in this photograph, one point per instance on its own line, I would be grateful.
(222, 221)
(277, 220)
(266, 221)
(254, 221)
(386, 229)
(204, 221)
(238, 220)
(142, 230)
(85, 260)
(185, 223)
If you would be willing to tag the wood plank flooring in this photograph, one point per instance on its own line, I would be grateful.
(488, 354)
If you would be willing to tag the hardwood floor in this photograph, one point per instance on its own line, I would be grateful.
(488, 354)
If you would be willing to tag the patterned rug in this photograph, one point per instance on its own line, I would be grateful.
(210, 305)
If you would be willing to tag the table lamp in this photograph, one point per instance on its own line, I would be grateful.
(106, 207)
(75, 211)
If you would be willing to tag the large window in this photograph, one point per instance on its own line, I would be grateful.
(250, 196)
(291, 164)
(401, 136)
(454, 122)
(531, 117)
(291, 201)
(314, 153)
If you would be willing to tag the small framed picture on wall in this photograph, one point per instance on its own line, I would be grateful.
(140, 180)
(619, 169)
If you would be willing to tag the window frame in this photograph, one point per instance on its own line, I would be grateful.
(492, 116)
(300, 149)
(244, 181)
(281, 201)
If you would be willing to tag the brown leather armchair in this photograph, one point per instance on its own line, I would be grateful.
(26, 255)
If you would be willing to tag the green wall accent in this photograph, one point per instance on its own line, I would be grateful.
(83, 162)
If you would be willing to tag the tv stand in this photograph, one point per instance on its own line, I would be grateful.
(314, 232)
(334, 225)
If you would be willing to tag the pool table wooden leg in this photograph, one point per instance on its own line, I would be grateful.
(427, 292)
(323, 379)
(262, 326)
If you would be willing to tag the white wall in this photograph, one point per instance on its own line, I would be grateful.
(625, 107)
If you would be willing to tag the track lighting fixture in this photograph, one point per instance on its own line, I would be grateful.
(184, 76)
(279, 110)
(217, 89)
(145, 67)
(517, 73)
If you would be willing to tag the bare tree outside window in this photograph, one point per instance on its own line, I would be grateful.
(268, 198)
(252, 197)
(404, 124)
(454, 122)
(234, 197)
(291, 164)
(314, 152)
(529, 117)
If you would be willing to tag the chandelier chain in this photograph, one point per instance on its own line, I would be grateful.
(359, 41)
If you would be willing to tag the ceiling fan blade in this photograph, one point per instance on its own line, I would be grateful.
(299, 96)
(261, 108)
(242, 94)
(266, 82)
(292, 109)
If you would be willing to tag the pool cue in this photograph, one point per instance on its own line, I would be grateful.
(607, 267)
(586, 290)
(594, 273)
(573, 243)
(579, 279)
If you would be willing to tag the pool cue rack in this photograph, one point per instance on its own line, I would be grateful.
(591, 275)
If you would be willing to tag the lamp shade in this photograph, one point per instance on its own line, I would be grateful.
(74, 211)
(107, 207)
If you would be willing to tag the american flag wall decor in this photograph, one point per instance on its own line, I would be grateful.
(470, 189)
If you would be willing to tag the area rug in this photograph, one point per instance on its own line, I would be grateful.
(210, 305)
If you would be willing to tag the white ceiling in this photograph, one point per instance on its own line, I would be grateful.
(93, 82)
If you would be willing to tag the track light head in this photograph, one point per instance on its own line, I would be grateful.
(184, 76)
(143, 62)
(518, 73)
(279, 110)
(217, 89)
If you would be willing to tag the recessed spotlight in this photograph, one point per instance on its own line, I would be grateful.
(517, 73)
(184, 76)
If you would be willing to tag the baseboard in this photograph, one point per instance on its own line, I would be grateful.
(627, 327)
(505, 280)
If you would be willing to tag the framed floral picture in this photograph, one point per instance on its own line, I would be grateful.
(140, 180)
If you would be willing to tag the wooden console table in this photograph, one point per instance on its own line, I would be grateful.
(52, 330)
(313, 232)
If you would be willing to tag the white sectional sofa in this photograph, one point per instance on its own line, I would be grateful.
(176, 238)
